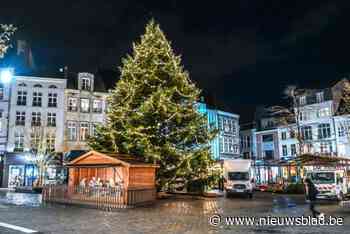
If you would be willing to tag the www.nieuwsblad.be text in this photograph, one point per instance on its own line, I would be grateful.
(217, 220)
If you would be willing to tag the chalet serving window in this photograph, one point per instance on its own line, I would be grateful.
(52, 100)
(84, 105)
(36, 119)
(84, 131)
(37, 98)
(19, 142)
(72, 104)
(324, 131)
(51, 119)
(20, 118)
(21, 98)
(72, 131)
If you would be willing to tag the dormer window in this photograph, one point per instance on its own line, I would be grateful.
(22, 85)
(85, 84)
(37, 86)
(320, 97)
(52, 87)
(302, 100)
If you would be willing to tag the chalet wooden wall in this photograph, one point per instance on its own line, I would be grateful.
(141, 176)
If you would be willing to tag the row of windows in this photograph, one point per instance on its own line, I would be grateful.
(96, 105)
(80, 130)
(46, 142)
(37, 99)
(325, 147)
(228, 125)
(36, 119)
(227, 145)
(319, 98)
(324, 131)
(308, 115)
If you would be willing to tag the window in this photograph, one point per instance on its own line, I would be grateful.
(268, 154)
(50, 141)
(84, 131)
(35, 140)
(20, 118)
(326, 147)
(227, 145)
(319, 97)
(324, 112)
(344, 128)
(324, 131)
(97, 106)
(302, 100)
(306, 132)
(72, 104)
(52, 87)
(1, 91)
(19, 142)
(267, 138)
(227, 125)
(72, 131)
(284, 135)
(292, 133)
(93, 129)
(51, 119)
(36, 119)
(85, 84)
(37, 86)
(22, 85)
(52, 100)
(21, 98)
(284, 150)
(293, 149)
(84, 105)
(37, 98)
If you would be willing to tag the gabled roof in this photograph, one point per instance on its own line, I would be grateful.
(111, 158)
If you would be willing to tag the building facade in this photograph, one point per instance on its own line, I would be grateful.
(226, 144)
(85, 108)
(36, 112)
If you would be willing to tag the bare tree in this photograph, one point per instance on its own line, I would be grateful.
(6, 32)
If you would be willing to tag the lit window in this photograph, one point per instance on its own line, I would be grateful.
(72, 131)
(20, 118)
(50, 141)
(51, 119)
(19, 142)
(35, 140)
(84, 105)
(97, 106)
(319, 97)
(36, 119)
(85, 84)
(37, 98)
(324, 112)
(72, 104)
(302, 100)
(84, 131)
(52, 102)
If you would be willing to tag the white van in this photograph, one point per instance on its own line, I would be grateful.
(238, 176)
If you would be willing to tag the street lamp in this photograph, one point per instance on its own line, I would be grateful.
(6, 75)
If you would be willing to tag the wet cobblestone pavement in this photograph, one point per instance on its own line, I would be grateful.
(168, 216)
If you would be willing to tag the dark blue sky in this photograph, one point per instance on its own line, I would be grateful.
(242, 53)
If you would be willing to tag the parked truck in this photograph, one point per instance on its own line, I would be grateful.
(238, 176)
(330, 183)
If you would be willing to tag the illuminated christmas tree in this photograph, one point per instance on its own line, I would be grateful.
(152, 113)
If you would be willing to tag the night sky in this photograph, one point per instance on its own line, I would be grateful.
(240, 53)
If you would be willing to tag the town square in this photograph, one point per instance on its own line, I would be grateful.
(172, 117)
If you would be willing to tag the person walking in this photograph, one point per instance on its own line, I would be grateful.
(311, 193)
